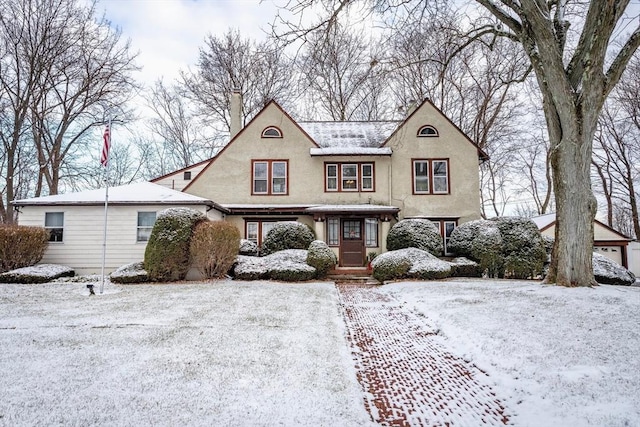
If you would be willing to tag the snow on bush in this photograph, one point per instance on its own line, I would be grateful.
(287, 235)
(41, 273)
(409, 263)
(166, 257)
(321, 257)
(214, 247)
(247, 247)
(21, 246)
(504, 247)
(464, 267)
(415, 233)
(609, 272)
(288, 265)
(130, 273)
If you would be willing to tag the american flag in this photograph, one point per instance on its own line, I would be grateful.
(104, 158)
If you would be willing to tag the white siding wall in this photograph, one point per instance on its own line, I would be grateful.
(634, 258)
(83, 235)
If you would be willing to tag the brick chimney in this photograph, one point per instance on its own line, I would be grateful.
(235, 110)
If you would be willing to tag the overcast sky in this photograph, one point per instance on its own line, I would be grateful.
(168, 33)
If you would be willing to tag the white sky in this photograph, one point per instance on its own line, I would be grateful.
(168, 33)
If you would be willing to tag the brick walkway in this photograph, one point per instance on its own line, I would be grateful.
(408, 377)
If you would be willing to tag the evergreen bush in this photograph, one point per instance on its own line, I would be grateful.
(415, 233)
(396, 264)
(130, 273)
(247, 247)
(214, 248)
(287, 235)
(321, 257)
(464, 267)
(166, 257)
(21, 246)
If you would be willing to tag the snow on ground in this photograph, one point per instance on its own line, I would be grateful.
(222, 353)
(268, 353)
(563, 357)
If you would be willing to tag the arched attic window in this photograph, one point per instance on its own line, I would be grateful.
(271, 132)
(427, 131)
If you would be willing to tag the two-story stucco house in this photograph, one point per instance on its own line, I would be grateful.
(349, 181)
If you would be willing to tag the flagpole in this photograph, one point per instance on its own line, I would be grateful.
(107, 143)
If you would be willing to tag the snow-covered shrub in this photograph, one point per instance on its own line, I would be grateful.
(486, 249)
(548, 244)
(415, 233)
(609, 272)
(130, 273)
(41, 273)
(504, 247)
(464, 267)
(287, 235)
(321, 257)
(522, 247)
(463, 235)
(429, 268)
(396, 264)
(21, 246)
(247, 247)
(249, 268)
(167, 255)
(214, 248)
(287, 265)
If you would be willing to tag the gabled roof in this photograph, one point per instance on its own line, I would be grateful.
(548, 220)
(141, 193)
(195, 165)
(481, 154)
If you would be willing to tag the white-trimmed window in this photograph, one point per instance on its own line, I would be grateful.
(333, 231)
(54, 222)
(430, 176)
(349, 177)
(269, 177)
(145, 225)
(446, 227)
(271, 132)
(427, 131)
(256, 229)
(371, 232)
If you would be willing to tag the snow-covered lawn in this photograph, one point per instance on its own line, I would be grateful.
(267, 353)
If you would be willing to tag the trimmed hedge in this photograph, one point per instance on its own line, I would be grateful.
(287, 235)
(415, 233)
(247, 247)
(130, 273)
(21, 246)
(214, 248)
(166, 257)
(321, 257)
(464, 267)
(42, 273)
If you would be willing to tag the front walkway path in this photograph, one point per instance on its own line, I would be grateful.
(408, 376)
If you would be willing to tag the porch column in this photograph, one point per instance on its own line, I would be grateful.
(319, 228)
(384, 232)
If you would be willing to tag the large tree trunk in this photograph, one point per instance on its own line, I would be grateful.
(571, 263)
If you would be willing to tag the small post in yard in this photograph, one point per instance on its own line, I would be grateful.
(104, 161)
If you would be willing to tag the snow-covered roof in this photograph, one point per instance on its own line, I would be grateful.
(134, 194)
(349, 135)
(350, 151)
(543, 221)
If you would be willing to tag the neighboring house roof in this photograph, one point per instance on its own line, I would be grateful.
(548, 220)
(141, 193)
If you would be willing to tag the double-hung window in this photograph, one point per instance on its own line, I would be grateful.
(269, 177)
(54, 222)
(145, 225)
(349, 177)
(431, 176)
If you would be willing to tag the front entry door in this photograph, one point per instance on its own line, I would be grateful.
(352, 243)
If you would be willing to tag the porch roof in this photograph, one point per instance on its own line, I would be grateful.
(353, 209)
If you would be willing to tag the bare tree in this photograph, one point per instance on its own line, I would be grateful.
(61, 68)
(574, 80)
(181, 137)
(339, 75)
(260, 70)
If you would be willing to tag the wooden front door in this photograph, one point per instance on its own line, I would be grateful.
(352, 243)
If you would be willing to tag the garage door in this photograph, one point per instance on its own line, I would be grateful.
(612, 252)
